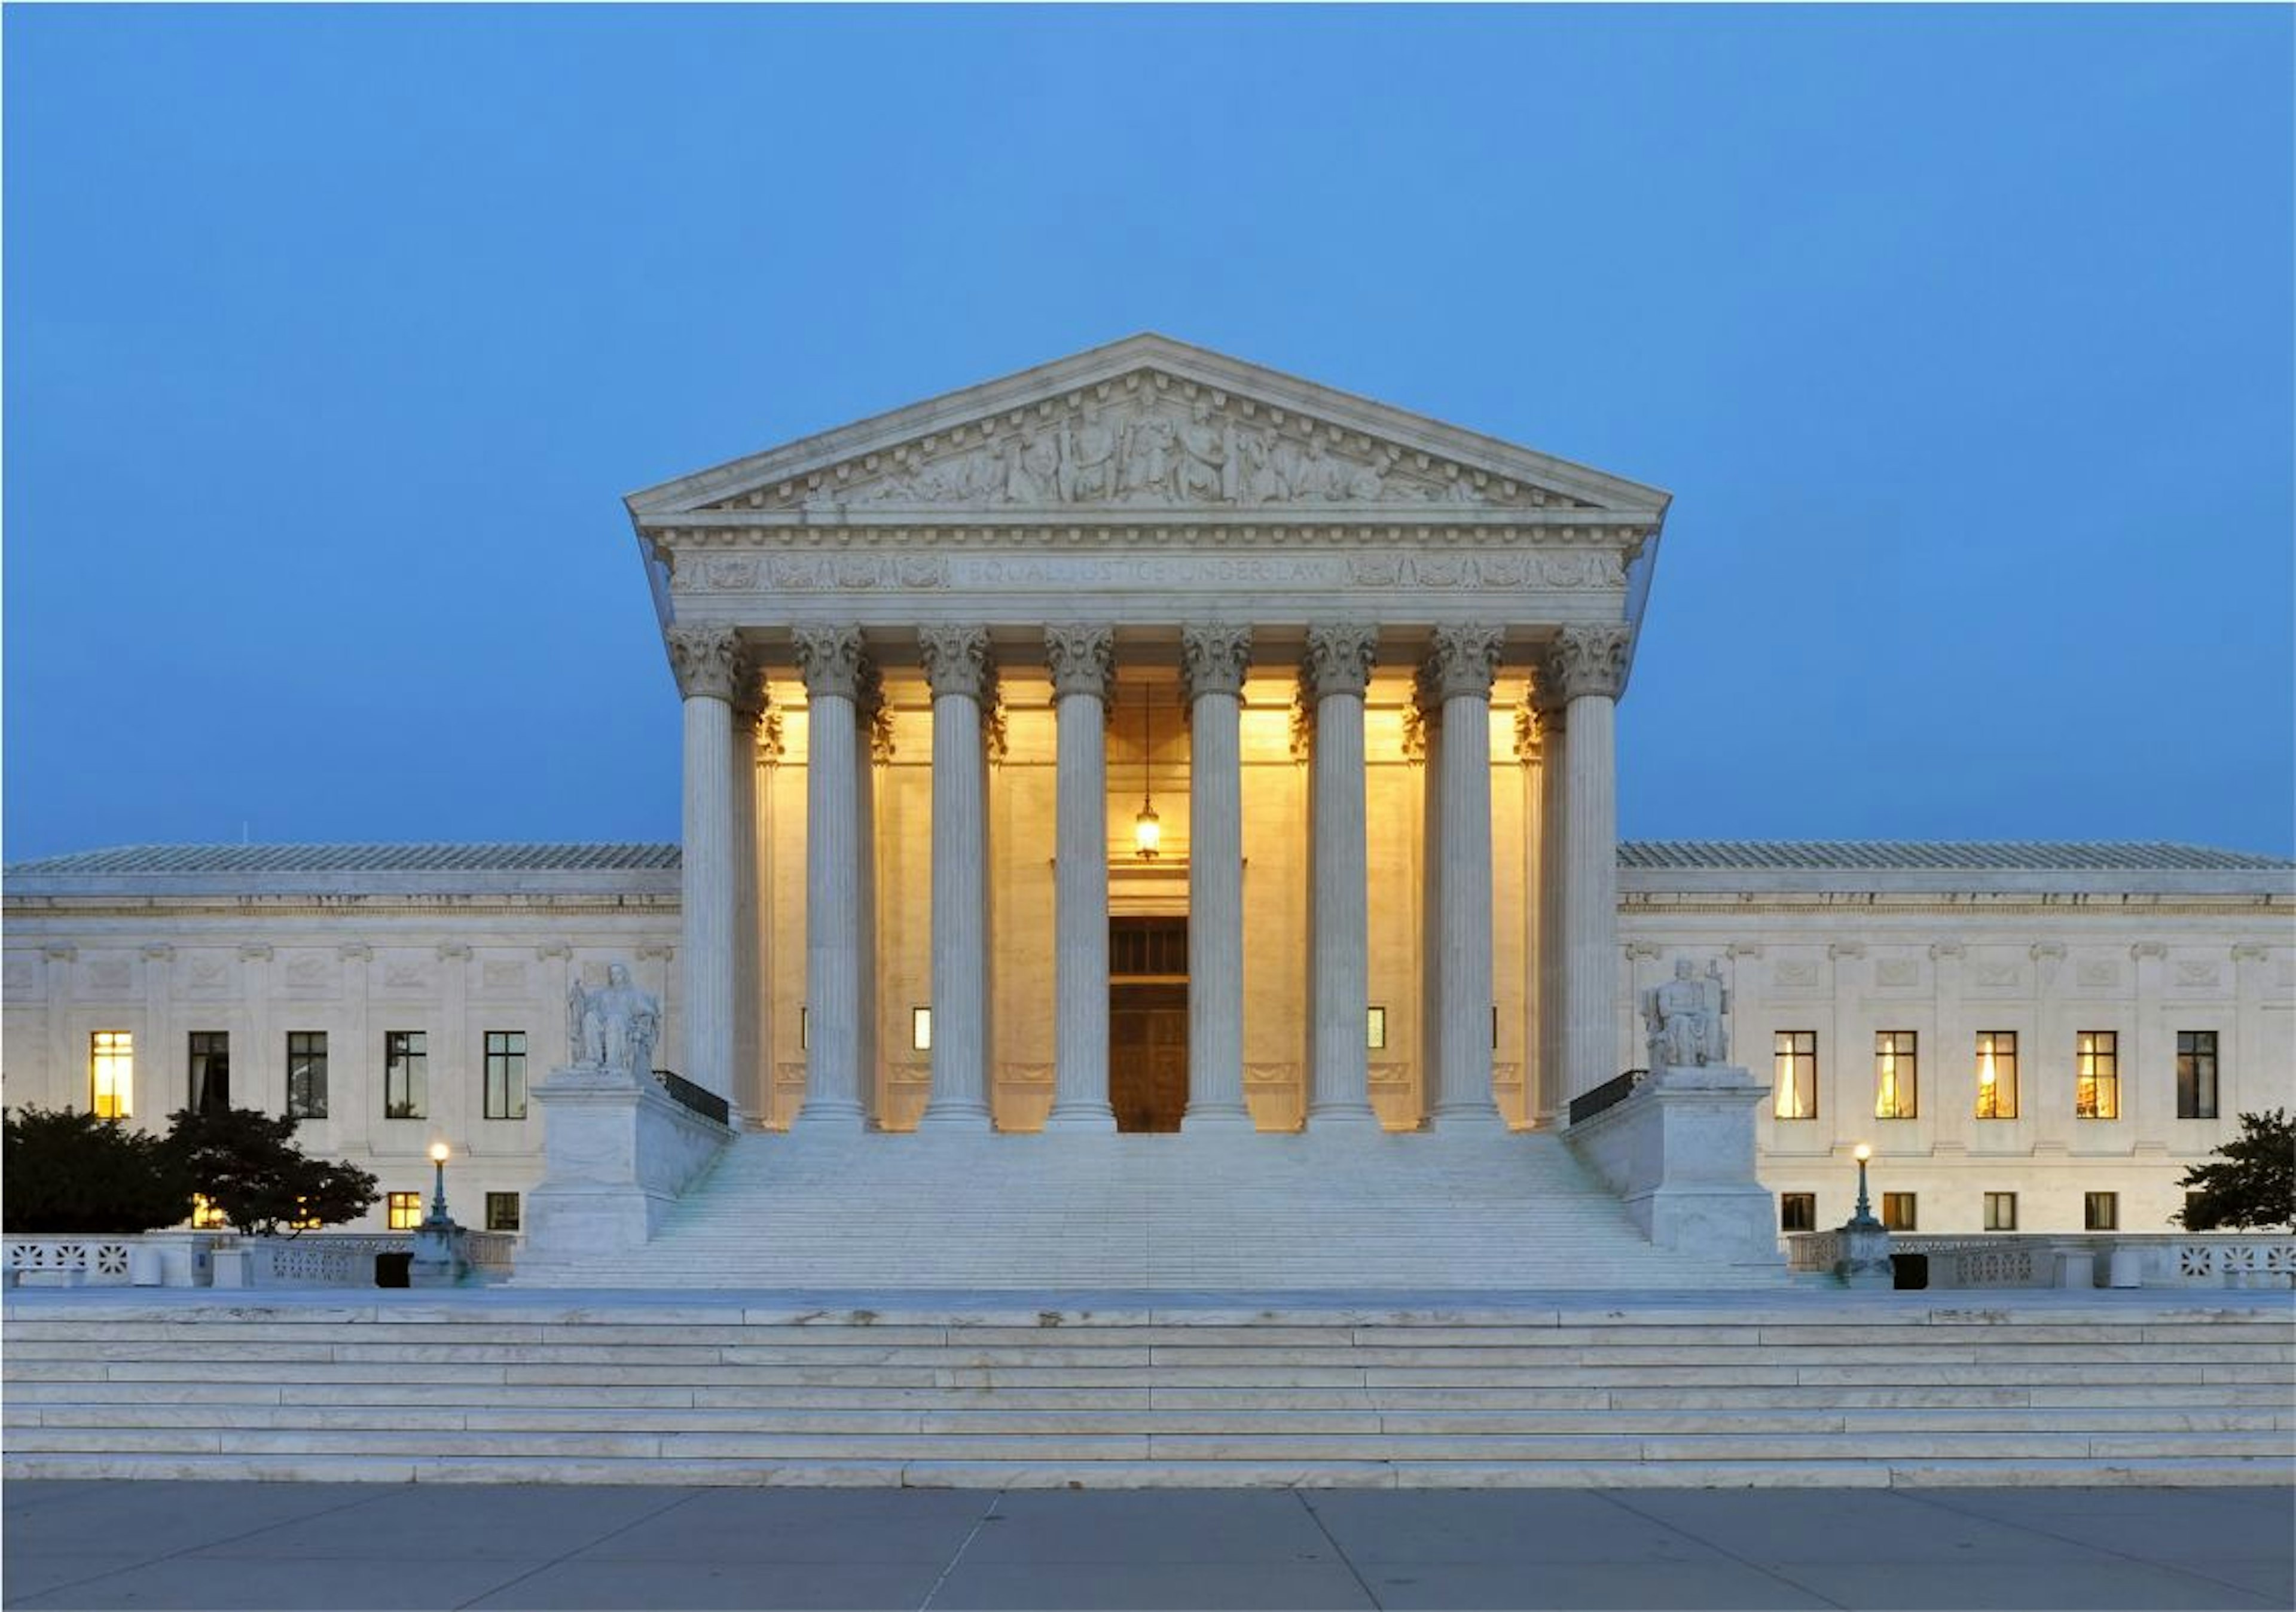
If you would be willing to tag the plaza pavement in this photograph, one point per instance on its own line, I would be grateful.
(249, 1547)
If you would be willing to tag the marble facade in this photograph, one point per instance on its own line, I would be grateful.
(1365, 668)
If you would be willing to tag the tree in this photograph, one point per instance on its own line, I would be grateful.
(71, 1173)
(245, 1163)
(2252, 1182)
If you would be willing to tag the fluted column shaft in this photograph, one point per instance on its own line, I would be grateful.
(707, 662)
(1338, 669)
(1462, 666)
(1213, 661)
(1555, 744)
(831, 660)
(1082, 661)
(1586, 668)
(956, 665)
(750, 1086)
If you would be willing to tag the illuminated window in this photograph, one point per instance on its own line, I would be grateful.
(406, 1074)
(506, 1074)
(501, 1211)
(210, 1063)
(2196, 1074)
(2101, 1211)
(111, 1074)
(2097, 1075)
(205, 1215)
(920, 1029)
(304, 1221)
(1896, 1075)
(1898, 1212)
(2001, 1211)
(1996, 1074)
(1797, 1211)
(406, 1211)
(1375, 1030)
(306, 1074)
(1794, 1091)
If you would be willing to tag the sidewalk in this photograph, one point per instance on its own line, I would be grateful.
(249, 1547)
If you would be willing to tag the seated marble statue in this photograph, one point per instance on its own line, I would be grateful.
(1684, 1016)
(615, 1027)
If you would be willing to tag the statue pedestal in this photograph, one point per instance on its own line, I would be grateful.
(1680, 1152)
(618, 1151)
(1864, 1260)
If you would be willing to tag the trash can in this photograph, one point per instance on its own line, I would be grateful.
(390, 1269)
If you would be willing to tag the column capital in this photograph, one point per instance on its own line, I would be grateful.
(832, 661)
(750, 701)
(707, 662)
(1081, 659)
(1584, 660)
(1214, 659)
(957, 661)
(1462, 660)
(1339, 658)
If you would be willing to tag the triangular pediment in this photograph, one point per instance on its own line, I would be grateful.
(1145, 424)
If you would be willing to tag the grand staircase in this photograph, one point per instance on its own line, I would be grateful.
(1267, 1213)
(1799, 1387)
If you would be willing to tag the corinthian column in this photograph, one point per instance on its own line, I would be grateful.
(1584, 668)
(832, 662)
(1082, 660)
(1461, 663)
(707, 660)
(956, 666)
(1213, 660)
(1338, 669)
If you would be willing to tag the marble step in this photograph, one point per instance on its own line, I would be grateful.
(1838, 1472)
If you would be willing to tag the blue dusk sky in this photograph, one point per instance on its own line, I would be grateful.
(333, 337)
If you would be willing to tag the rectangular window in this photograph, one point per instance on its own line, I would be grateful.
(306, 1074)
(1896, 1076)
(1794, 1079)
(2097, 1075)
(205, 1215)
(501, 1211)
(2196, 1074)
(1898, 1214)
(1797, 1211)
(506, 1074)
(406, 1074)
(210, 1061)
(111, 1074)
(1996, 1074)
(2001, 1211)
(406, 1211)
(2101, 1211)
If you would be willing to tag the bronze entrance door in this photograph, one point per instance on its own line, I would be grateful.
(1148, 1022)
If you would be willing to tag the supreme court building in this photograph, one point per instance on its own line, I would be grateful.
(1152, 741)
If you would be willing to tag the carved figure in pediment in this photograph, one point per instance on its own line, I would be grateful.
(1208, 457)
(1257, 478)
(1087, 454)
(1032, 470)
(1150, 448)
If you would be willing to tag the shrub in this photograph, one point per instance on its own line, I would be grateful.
(66, 1172)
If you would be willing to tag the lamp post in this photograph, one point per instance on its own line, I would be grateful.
(438, 1260)
(1865, 1258)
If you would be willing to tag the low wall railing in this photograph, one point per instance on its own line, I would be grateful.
(187, 1259)
(2040, 1259)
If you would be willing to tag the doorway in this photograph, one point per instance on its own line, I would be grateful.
(1148, 1022)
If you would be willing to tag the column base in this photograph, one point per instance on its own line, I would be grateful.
(841, 1115)
(1080, 1117)
(955, 1116)
(1343, 1115)
(1223, 1117)
(1467, 1117)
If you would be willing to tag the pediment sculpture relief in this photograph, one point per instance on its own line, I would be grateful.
(1148, 449)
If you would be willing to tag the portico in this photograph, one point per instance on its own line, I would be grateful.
(1363, 666)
